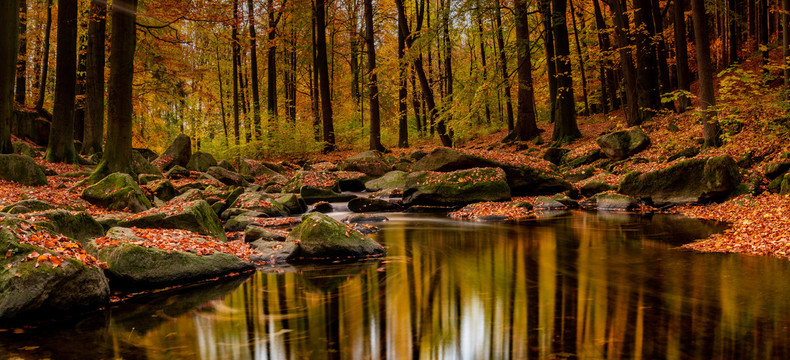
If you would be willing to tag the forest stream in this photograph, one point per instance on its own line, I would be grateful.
(574, 285)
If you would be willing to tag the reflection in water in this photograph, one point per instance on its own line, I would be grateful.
(582, 286)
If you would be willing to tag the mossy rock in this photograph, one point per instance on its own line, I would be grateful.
(133, 267)
(261, 202)
(79, 226)
(117, 192)
(143, 179)
(255, 233)
(623, 144)
(178, 172)
(611, 202)
(226, 176)
(292, 202)
(178, 153)
(323, 238)
(446, 159)
(164, 190)
(26, 206)
(352, 180)
(257, 168)
(141, 166)
(201, 161)
(546, 203)
(25, 149)
(774, 169)
(364, 204)
(594, 187)
(21, 169)
(45, 292)
(319, 179)
(391, 180)
(456, 188)
(370, 162)
(225, 164)
(312, 194)
(196, 216)
(689, 181)
(555, 155)
(586, 159)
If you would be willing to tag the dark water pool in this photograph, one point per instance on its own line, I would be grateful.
(575, 286)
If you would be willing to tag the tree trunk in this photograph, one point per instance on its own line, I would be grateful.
(551, 65)
(323, 74)
(648, 93)
(9, 26)
(662, 55)
(629, 72)
(373, 87)
(565, 127)
(221, 97)
(786, 45)
(483, 59)
(734, 30)
(234, 38)
(79, 110)
(681, 55)
(256, 98)
(61, 136)
(609, 97)
(581, 59)
(42, 85)
(710, 126)
(764, 34)
(21, 64)
(123, 40)
(314, 84)
(403, 124)
(526, 126)
(94, 79)
(271, 70)
(503, 66)
(356, 94)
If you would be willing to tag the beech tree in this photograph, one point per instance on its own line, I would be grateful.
(8, 47)
(21, 65)
(526, 127)
(710, 126)
(373, 87)
(94, 79)
(565, 127)
(323, 73)
(61, 135)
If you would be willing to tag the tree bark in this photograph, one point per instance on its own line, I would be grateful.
(648, 91)
(373, 87)
(9, 27)
(42, 85)
(551, 65)
(403, 124)
(681, 55)
(662, 55)
(94, 79)
(608, 87)
(710, 126)
(483, 59)
(314, 84)
(565, 127)
(526, 126)
(61, 136)
(629, 71)
(786, 45)
(271, 70)
(234, 38)
(500, 38)
(323, 74)
(581, 59)
(118, 148)
(82, 60)
(256, 99)
(21, 65)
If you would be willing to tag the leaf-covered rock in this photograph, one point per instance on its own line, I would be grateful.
(196, 216)
(312, 194)
(79, 226)
(319, 179)
(262, 202)
(117, 192)
(620, 145)
(226, 176)
(201, 161)
(178, 153)
(140, 165)
(177, 172)
(456, 188)
(370, 162)
(365, 204)
(26, 206)
(21, 169)
(391, 180)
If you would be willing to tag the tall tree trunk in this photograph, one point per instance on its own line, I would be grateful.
(661, 53)
(42, 85)
(526, 125)
(373, 86)
(416, 101)
(94, 79)
(551, 65)
(234, 38)
(425, 85)
(123, 40)
(735, 29)
(21, 65)
(581, 59)
(629, 71)
(271, 69)
(79, 110)
(221, 97)
(356, 94)
(61, 136)
(9, 27)
(483, 59)
(710, 126)
(648, 92)
(256, 98)
(314, 84)
(681, 55)
(786, 45)
(500, 38)
(323, 74)
(403, 118)
(448, 58)
(764, 34)
(608, 84)
(565, 127)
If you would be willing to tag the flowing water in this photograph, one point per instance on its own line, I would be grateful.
(580, 285)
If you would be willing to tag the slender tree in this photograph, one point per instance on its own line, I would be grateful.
(565, 127)
(123, 41)
(500, 38)
(234, 39)
(526, 126)
(373, 86)
(710, 126)
(61, 135)
(403, 125)
(42, 84)
(647, 85)
(9, 28)
(608, 86)
(581, 59)
(483, 60)
(21, 65)
(271, 58)
(94, 79)
(629, 71)
(551, 63)
(786, 45)
(681, 55)
(323, 74)
(256, 100)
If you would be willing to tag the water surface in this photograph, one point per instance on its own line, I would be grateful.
(575, 286)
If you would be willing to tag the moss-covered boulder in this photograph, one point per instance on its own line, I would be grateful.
(547, 203)
(26, 206)
(163, 189)
(319, 179)
(78, 226)
(137, 267)
(25, 149)
(689, 181)
(313, 194)
(254, 233)
(623, 144)
(261, 202)
(456, 188)
(257, 168)
(292, 202)
(53, 287)
(143, 179)
(196, 216)
(117, 192)
(370, 162)
(178, 153)
(611, 202)
(225, 164)
(140, 165)
(321, 238)
(352, 180)
(177, 172)
(226, 176)
(776, 168)
(201, 161)
(596, 186)
(364, 204)
(391, 180)
(446, 159)
(21, 169)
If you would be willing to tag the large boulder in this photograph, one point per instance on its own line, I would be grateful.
(25, 149)
(117, 192)
(689, 181)
(320, 238)
(26, 206)
(364, 204)
(319, 179)
(610, 202)
(78, 226)
(261, 202)
(774, 169)
(446, 159)
(456, 188)
(622, 144)
(201, 161)
(313, 194)
(370, 162)
(179, 153)
(257, 168)
(21, 169)
(132, 266)
(226, 176)
(352, 180)
(53, 287)
(391, 180)
(196, 216)
(140, 165)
